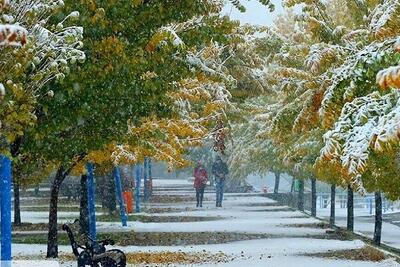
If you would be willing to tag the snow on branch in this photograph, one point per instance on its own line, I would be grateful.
(322, 54)
(367, 123)
(53, 47)
(353, 69)
(385, 19)
(122, 153)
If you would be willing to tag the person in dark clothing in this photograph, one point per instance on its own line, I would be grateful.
(220, 171)
(200, 182)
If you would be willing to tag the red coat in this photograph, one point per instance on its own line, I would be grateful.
(200, 177)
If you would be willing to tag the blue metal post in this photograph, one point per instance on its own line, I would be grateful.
(146, 185)
(138, 178)
(118, 188)
(91, 201)
(5, 180)
(150, 174)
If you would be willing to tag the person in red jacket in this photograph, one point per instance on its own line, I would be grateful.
(200, 182)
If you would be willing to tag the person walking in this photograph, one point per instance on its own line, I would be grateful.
(220, 171)
(200, 182)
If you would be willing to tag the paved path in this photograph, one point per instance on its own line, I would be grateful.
(278, 241)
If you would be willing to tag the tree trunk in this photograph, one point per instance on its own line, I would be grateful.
(83, 207)
(17, 206)
(109, 194)
(333, 200)
(15, 149)
(378, 218)
(292, 186)
(101, 190)
(52, 239)
(300, 203)
(313, 197)
(277, 179)
(350, 209)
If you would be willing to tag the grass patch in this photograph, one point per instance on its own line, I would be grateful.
(28, 227)
(320, 225)
(163, 258)
(167, 209)
(367, 253)
(267, 204)
(166, 258)
(149, 239)
(45, 208)
(33, 227)
(165, 198)
(296, 217)
(167, 238)
(156, 219)
(274, 210)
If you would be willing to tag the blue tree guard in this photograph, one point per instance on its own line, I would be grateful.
(138, 178)
(91, 201)
(118, 188)
(5, 179)
(150, 175)
(145, 182)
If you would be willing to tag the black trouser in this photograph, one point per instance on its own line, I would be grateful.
(219, 184)
(200, 195)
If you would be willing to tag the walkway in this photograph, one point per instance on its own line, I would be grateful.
(250, 230)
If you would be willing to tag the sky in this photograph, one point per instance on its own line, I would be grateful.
(256, 13)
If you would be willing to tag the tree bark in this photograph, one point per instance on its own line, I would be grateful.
(101, 190)
(313, 197)
(300, 203)
(111, 195)
(83, 207)
(378, 218)
(292, 186)
(15, 149)
(108, 194)
(277, 179)
(333, 200)
(17, 206)
(52, 239)
(350, 209)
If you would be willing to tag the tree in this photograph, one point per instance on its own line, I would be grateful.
(45, 51)
(135, 58)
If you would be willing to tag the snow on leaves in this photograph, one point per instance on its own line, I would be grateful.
(390, 77)
(355, 69)
(44, 53)
(369, 122)
(385, 19)
(325, 79)
(52, 47)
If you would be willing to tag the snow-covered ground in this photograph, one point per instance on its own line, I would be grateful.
(365, 225)
(364, 217)
(285, 246)
(277, 252)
